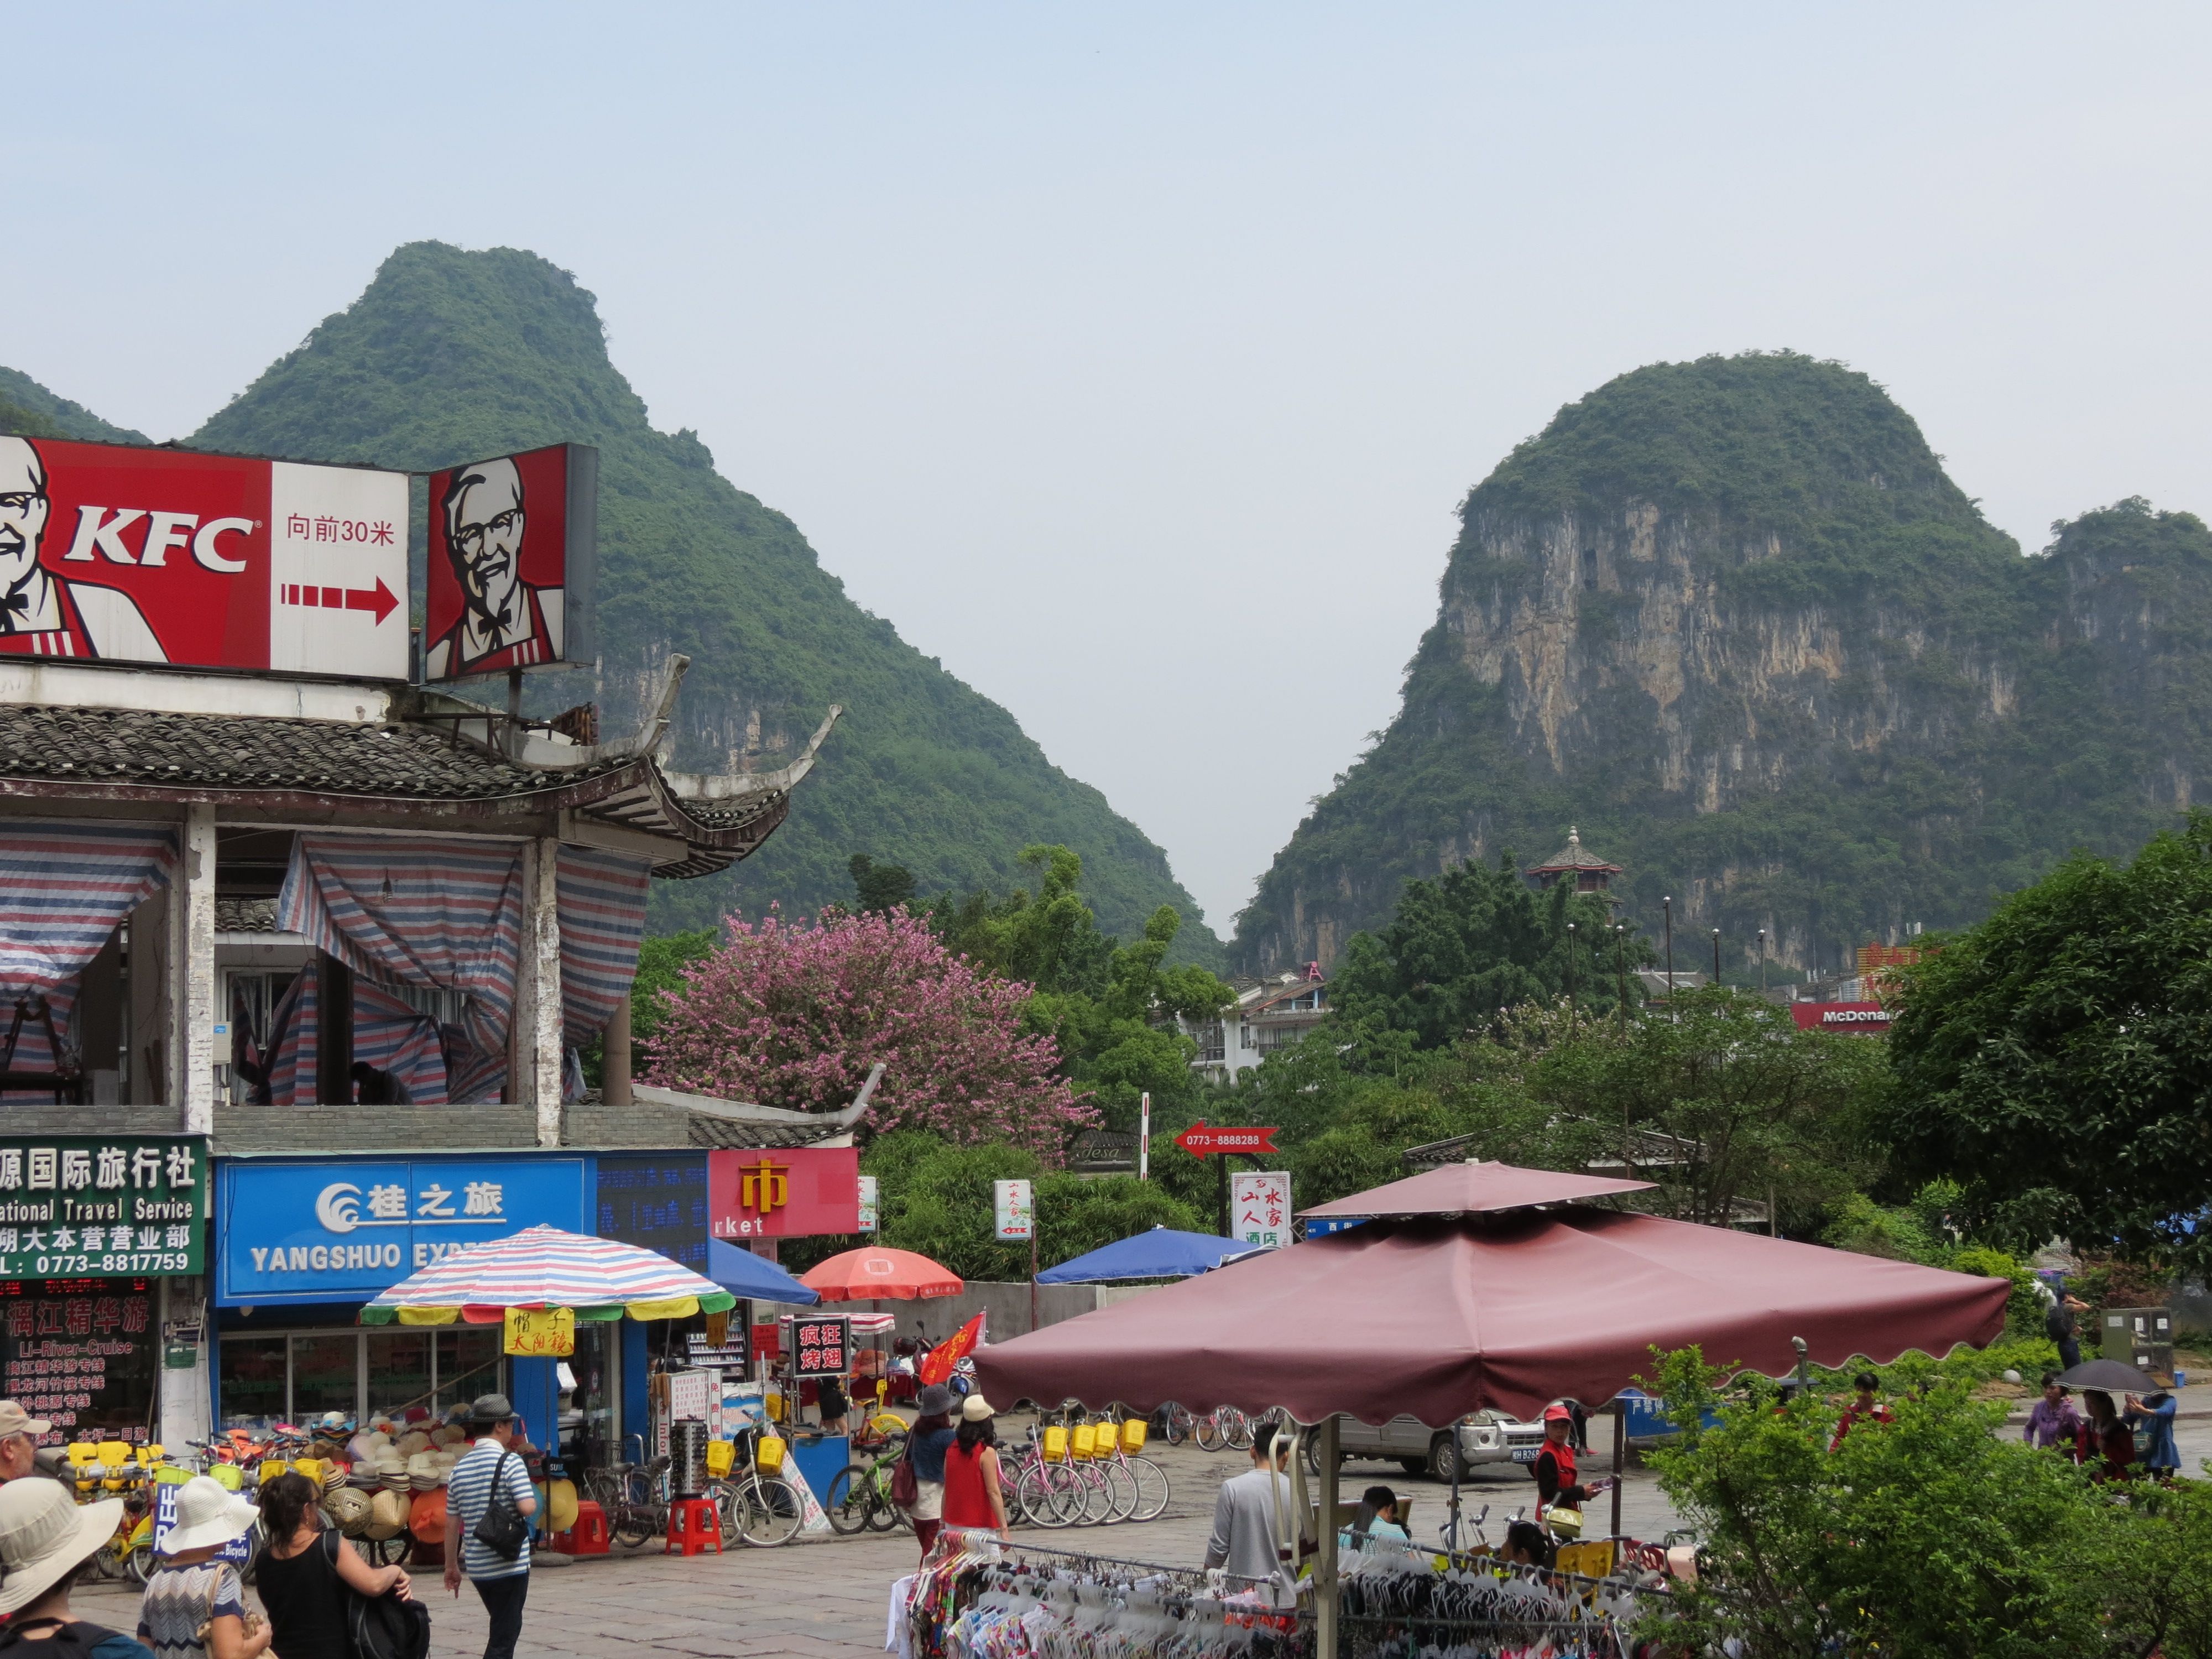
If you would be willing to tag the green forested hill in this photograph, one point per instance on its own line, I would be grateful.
(452, 354)
(1731, 619)
(28, 407)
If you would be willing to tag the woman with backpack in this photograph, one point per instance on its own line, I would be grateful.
(46, 1543)
(305, 1571)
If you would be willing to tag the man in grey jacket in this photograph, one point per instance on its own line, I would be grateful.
(1247, 1515)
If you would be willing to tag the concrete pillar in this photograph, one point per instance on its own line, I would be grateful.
(192, 992)
(186, 1402)
(614, 1058)
(534, 1075)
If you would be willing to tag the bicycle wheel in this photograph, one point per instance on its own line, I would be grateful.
(882, 1514)
(631, 1524)
(1121, 1490)
(1174, 1423)
(1036, 1499)
(1094, 1498)
(1206, 1431)
(1237, 1430)
(771, 1512)
(850, 1499)
(1151, 1488)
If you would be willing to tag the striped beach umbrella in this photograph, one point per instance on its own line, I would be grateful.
(547, 1267)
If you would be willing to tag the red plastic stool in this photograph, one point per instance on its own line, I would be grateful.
(692, 1522)
(588, 1536)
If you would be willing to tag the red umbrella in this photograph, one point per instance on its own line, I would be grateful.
(1476, 1188)
(1440, 1316)
(875, 1273)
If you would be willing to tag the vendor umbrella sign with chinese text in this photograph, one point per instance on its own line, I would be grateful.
(102, 1206)
(1260, 1208)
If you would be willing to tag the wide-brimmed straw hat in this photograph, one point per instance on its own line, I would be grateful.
(44, 1535)
(207, 1512)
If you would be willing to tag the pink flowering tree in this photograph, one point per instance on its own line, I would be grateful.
(794, 1015)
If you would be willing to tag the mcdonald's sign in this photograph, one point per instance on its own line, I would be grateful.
(783, 1192)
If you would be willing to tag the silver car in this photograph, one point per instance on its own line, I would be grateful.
(1483, 1437)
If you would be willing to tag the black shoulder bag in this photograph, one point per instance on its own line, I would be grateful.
(502, 1530)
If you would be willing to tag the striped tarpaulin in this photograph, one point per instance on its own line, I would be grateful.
(63, 889)
(549, 1267)
(602, 899)
(386, 1033)
(415, 910)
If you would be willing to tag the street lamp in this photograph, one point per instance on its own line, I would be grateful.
(1762, 961)
(1666, 908)
(1717, 956)
(1570, 975)
(1620, 968)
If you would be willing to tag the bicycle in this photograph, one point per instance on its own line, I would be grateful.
(1149, 1479)
(859, 1497)
(1223, 1429)
(1093, 1493)
(634, 1495)
(764, 1510)
(1175, 1424)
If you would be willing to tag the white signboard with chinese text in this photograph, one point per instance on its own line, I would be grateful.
(1016, 1208)
(1260, 1208)
(868, 1221)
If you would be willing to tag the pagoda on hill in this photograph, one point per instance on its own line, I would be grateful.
(1574, 862)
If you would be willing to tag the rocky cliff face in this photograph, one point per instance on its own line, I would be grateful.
(1731, 618)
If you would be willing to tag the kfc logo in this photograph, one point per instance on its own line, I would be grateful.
(511, 542)
(110, 553)
(43, 615)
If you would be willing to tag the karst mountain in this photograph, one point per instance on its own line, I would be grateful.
(452, 354)
(1731, 621)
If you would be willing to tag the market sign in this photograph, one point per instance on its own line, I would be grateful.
(343, 1230)
(1260, 1208)
(539, 1333)
(109, 553)
(798, 1192)
(513, 556)
(1860, 1019)
(76, 1207)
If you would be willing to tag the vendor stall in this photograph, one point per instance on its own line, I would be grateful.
(1161, 1253)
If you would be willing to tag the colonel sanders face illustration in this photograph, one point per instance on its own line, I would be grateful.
(505, 622)
(41, 614)
(23, 508)
(483, 534)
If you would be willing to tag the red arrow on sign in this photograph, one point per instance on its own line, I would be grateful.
(379, 598)
(1201, 1142)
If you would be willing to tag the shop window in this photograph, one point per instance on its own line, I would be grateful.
(399, 1378)
(468, 1365)
(79, 1353)
(326, 1374)
(252, 1382)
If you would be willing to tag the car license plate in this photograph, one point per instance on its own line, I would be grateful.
(1525, 1454)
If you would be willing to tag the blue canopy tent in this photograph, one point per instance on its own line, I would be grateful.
(742, 1273)
(1162, 1253)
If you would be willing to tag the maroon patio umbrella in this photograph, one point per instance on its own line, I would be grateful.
(1438, 1314)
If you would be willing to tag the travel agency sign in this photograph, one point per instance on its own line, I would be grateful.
(343, 1230)
(111, 553)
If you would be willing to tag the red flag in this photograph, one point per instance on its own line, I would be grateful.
(937, 1364)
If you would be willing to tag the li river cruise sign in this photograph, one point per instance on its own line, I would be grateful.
(102, 1206)
(114, 553)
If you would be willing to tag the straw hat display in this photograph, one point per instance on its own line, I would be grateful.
(412, 1442)
(350, 1508)
(387, 1517)
(334, 1477)
(427, 1517)
(560, 1506)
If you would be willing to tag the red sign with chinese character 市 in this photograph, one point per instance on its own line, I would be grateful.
(776, 1193)
(512, 561)
(1202, 1142)
(109, 553)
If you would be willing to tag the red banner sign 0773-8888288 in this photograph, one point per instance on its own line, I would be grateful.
(111, 553)
(1201, 1142)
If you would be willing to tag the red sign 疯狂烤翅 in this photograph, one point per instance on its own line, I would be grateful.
(783, 1194)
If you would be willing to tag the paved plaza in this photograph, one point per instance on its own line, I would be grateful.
(827, 1597)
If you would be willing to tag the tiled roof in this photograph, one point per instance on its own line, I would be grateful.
(245, 915)
(1573, 856)
(233, 752)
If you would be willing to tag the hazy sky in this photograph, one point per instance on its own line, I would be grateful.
(1132, 359)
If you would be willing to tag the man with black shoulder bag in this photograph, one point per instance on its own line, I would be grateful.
(490, 1502)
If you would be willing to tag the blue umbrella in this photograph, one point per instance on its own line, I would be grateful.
(744, 1273)
(1162, 1253)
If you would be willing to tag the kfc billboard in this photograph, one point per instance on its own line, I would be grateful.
(109, 553)
(512, 547)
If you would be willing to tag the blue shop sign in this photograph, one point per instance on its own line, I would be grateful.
(342, 1229)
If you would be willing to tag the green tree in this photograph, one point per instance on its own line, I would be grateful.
(880, 886)
(1932, 1535)
(660, 963)
(2053, 1061)
(1475, 941)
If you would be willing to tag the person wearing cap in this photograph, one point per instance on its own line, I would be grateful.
(1554, 1467)
(47, 1542)
(490, 1467)
(19, 1441)
(189, 1587)
(974, 1498)
(927, 1442)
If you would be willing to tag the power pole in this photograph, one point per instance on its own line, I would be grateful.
(1620, 969)
(1716, 956)
(1762, 961)
(1666, 908)
(1571, 977)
